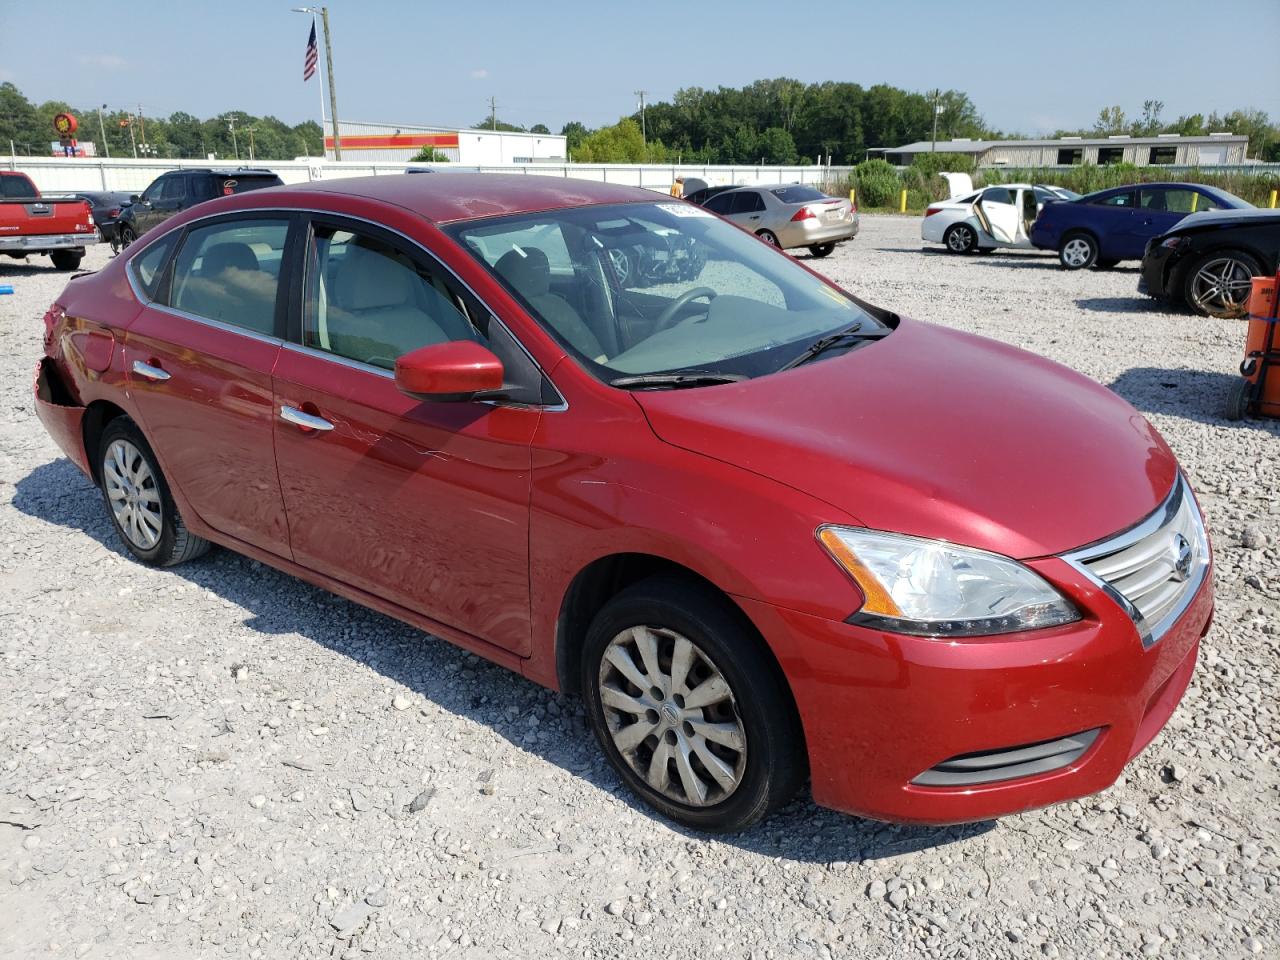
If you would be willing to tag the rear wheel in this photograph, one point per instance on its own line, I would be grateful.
(822, 249)
(138, 499)
(1078, 251)
(1217, 284)
(689, 708)
(1106, 264)
(960, 238)
(768, 237)
(66, 259)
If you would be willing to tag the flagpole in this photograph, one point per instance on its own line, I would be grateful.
(324, 152)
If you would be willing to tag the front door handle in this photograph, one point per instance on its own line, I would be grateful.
(306, 420)
(149, 372)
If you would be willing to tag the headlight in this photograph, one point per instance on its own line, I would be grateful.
(929, 588)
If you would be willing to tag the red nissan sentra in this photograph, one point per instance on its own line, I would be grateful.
(767, 530)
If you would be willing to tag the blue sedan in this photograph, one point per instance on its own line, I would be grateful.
(1106, 227)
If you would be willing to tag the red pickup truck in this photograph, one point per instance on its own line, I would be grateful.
(59, 226)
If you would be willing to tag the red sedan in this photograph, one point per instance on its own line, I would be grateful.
(767, 530)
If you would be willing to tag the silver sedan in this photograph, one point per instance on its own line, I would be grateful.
(789, 215)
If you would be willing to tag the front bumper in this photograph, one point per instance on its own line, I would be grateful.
(880, 709)
(1153, 279)
(49, 241)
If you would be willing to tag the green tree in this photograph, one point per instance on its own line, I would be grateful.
(539, 128)
(429, 155)
(1111, 121)
(776, 146)
(487, 124)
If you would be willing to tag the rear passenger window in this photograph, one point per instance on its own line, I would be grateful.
(148, 266)
(230, 271)
(997, 195)
(369, 301)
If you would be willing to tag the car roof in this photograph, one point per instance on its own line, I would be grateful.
(448, 197)
(1230, 215)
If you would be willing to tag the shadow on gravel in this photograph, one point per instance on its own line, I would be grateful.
(18, 269)
(1121, 305)
(1198, 395)
(460, 682)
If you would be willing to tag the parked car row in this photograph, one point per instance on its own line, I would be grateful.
(1200, 245)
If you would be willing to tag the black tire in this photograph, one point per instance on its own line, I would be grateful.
(1238, 399)
(820, 250)
(774, 764)
(1078, 250)
(175, 543)
(66, 259)
(1105, 264)
(1195, 294)
(960, 238)
(770, 238)
(127, 235)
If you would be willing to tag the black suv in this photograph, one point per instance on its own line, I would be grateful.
(173, 192)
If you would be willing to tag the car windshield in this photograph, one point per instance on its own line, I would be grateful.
(646, 288)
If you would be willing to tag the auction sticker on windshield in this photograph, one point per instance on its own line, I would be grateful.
(682, 210)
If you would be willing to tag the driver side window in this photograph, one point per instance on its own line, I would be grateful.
(369, 301)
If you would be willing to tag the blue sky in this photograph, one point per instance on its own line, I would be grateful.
(1029, 66)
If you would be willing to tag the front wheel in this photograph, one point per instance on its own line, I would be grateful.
(821, 250)
(138, 499)
(689, 706)
(1078, 251)
(66, 259)
(1218, 284)
(1238, 399)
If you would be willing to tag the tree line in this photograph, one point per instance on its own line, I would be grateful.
(230, 135)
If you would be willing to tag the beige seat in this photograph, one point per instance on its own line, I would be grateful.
(375, 314)
(231, 287)
(529, 272)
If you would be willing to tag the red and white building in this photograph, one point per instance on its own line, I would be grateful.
(397, 143)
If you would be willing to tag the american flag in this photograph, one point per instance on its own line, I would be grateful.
(309, 61)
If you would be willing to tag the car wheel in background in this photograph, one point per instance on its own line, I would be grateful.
(127, 236)
(1217, 284)
(1106, 264)
(768, 237)
(1078, 251)
(821, 249)
(138, 499)
(66, 259)
(689, 707)
(960, 238)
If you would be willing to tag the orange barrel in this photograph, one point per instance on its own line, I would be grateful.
(1262, 316)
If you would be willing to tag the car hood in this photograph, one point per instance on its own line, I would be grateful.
(1225, 218)
(941, 434)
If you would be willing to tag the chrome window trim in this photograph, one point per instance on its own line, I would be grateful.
(217, 324)
(231, 214)
(1150, 633)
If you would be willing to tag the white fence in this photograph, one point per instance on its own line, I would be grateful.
(66, 174)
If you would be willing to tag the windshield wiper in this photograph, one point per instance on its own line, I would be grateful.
(840, 337)
(674, 381)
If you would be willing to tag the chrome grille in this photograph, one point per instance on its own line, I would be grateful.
(1152, 570)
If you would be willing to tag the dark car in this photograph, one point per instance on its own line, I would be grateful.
(1207, 262)
(173, 192)
(706, 193)
(108, 206)
(1103, 228)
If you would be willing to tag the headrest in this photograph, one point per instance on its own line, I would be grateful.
(368, 280)
(527, 269)
(220, 256)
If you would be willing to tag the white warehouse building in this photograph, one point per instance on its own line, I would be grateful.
(397, 143)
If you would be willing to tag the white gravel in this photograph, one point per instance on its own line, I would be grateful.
(218, 760)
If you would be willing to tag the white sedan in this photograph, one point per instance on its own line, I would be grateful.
(997, 216)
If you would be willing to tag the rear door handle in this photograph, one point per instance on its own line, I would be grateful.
(306, 420)
(147, 371)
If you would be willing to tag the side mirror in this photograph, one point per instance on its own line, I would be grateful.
(458, 370)
(134, 198)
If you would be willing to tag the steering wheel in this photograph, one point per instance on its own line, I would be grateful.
(668, 316)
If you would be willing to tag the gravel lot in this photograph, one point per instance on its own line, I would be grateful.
(218, 760)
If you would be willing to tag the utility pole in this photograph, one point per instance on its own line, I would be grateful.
(644, 139)
(251, 129)
(493, 114)
(103, 130)
(936, 94)
(231, 125)
(142, 128)
(133, 141)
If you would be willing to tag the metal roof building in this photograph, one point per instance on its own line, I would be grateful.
(1216, 149)
(397, 143)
